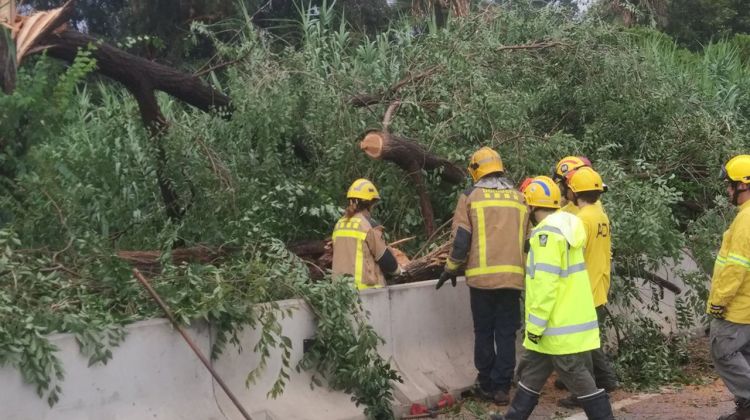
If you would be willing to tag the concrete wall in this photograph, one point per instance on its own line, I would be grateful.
(154, 375)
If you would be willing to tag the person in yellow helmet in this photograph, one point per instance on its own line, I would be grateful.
(563, 167)
(585, 186)
(729, 299)
(359, 249)
(561, 324)
(489, 226)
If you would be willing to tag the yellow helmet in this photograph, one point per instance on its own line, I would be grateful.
(485, 161)
(363, 189)
(567, 164)
(737, 169)
(584, 179)
(542, 191)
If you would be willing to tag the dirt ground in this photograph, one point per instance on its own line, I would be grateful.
(708, 398)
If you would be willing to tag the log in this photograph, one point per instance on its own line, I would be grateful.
(650, 277)
(412, 157)
(409, 155)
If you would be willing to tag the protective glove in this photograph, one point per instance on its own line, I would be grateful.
(533, 337)
(444, 277)
(717, 311)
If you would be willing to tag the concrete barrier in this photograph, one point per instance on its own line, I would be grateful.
(154, 375)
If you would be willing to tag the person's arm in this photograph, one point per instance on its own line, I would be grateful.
(380, 252)
(461, 234)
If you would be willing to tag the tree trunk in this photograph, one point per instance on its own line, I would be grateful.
(7, 61)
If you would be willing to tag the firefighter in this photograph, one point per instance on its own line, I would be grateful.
(729, 300)
(561, 324)
(585, 186)
(563, 167)
(488, 232)
(359, 249)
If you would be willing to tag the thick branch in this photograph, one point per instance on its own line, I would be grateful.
(532, 46)
(142, 78)
(365, 99)
(408, 155)
(651, 277)
(136, 73)
(7, 62)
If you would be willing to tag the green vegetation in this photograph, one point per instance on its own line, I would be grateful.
(78, 174)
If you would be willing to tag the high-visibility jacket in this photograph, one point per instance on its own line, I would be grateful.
(489, 227)
(559, 304)
(730, 284)
(598, 249)
(359, 250)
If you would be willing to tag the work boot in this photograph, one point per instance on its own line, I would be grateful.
(498, 397)
(570, 402)
(522, 405)
(741, 412)
(597, 406)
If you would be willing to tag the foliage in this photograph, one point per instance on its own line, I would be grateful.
(657, 121)
(646, 359)
(345, 348)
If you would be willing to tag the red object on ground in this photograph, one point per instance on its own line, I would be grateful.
(446, 401)
(417, 409)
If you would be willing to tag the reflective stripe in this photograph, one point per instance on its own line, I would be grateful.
(530, 268)
(738, 259)
(550, 229)
(539, 322)
(553, 269)
(498, 203)
(349, 233)
(358, 263)
(482, 238)
(494, 269)
(548, 268)
(575, 268)
(572, 329)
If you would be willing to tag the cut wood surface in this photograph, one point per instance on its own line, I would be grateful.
(409, 155)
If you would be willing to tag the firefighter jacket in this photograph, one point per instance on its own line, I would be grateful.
(359, 250)
(598, 250)
(730, 284)
(559, 304)
(489, 227)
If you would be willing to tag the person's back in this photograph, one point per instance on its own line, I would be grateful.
(359, 249)
(559, 303)
(489, 225)
(357, 244)
(496, 214)
(598, 250)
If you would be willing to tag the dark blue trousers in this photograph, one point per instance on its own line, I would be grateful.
(497, 317)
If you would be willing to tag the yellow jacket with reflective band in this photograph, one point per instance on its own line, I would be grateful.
(559, 304)
(496, 218)
(357, 246)
(730, 284)
(598, 250)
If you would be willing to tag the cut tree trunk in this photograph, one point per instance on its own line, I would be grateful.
(428, 267)
(412, 157)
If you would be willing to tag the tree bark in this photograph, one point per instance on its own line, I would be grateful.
(7, 61)
(408, 155)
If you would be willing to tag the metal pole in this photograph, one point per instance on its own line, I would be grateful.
(190, 342)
